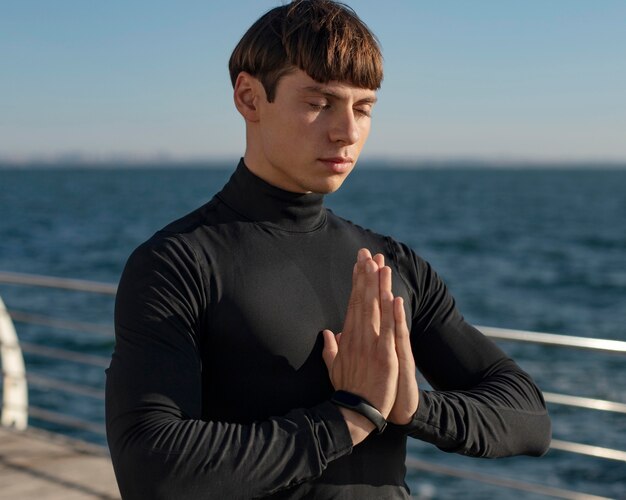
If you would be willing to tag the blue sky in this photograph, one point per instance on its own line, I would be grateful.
(494, 79)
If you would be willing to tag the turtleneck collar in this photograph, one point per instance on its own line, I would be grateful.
(258, 201)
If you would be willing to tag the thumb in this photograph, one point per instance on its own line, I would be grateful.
(330, 349)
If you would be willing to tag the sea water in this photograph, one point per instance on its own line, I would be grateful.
(531, 249)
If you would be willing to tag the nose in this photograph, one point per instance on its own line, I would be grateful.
(344, 127)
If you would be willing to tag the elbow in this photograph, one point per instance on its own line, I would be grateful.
(140, 469)
(541, 430)
(543, 438)
(535, 431)
(134, 470)
(532, 439)
(142, 474)
(534, 425)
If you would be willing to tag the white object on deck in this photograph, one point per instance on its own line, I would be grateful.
(14, 410)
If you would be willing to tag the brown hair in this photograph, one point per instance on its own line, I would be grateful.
(326, 39)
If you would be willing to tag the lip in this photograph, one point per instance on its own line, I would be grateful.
(338, 164)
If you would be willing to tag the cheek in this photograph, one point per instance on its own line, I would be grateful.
(289, 128)
(364, 132)
(276, 133)
(303, 134)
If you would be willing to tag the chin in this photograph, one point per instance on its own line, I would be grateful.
(328, 186)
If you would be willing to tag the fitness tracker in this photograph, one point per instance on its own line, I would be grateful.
(361, 406)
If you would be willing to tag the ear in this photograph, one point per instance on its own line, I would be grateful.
(248, 91)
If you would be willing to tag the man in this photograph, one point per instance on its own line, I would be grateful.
(228, 380)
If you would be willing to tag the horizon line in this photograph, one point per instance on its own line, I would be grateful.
(160, 160)
(364, 165)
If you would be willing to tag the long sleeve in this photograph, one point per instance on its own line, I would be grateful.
(217, 387)
(483, 404)
(160, 446)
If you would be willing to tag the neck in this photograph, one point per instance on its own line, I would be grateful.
(262, 170)
(258, 200)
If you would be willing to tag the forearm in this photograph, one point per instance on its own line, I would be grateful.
(157, 454)
(503, 415)
(483, 404)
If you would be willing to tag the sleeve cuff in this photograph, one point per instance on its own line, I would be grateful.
(419, 421)
(332, 431)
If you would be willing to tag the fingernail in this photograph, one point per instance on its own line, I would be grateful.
(361, 255)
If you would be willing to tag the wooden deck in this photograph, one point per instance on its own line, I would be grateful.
(35, 465)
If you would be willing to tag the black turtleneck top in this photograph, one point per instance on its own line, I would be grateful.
(217, 388)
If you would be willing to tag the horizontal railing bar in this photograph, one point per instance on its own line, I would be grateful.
(62, 283)
(554, 339)
(589, 450)
(589, 403)
(51, 383)
(79, 326)
(65, 420)
(495, 333)
(65, 355)
(498, 333)
(539, 489)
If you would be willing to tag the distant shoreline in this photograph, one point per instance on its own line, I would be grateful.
(373, 164)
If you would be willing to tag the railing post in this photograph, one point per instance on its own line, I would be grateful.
(14, 410)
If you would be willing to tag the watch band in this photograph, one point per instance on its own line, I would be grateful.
(361, 406)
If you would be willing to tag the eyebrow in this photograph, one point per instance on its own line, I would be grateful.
(330, 93)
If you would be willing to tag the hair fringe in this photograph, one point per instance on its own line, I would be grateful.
(324, 38)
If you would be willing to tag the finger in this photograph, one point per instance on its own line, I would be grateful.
(331, 348)
(400, 317)
(362, 256)
(379, 258)
(403, 339)
(387, 320)
(371, 305)
(352, 324)
(407, 399)
(385, 280)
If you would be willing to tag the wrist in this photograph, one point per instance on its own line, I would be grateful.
(359, 427)
(361, 406)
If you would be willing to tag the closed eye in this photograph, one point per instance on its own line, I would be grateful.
(319, 107)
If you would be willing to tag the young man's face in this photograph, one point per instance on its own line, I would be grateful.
(309, 138)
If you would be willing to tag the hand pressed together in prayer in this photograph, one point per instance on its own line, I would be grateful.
(372, 356)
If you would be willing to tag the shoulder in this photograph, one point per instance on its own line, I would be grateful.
(185, 237)
(175, 246)
(202, 217)
(162, 277)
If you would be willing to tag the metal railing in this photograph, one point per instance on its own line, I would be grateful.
(15, 408)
